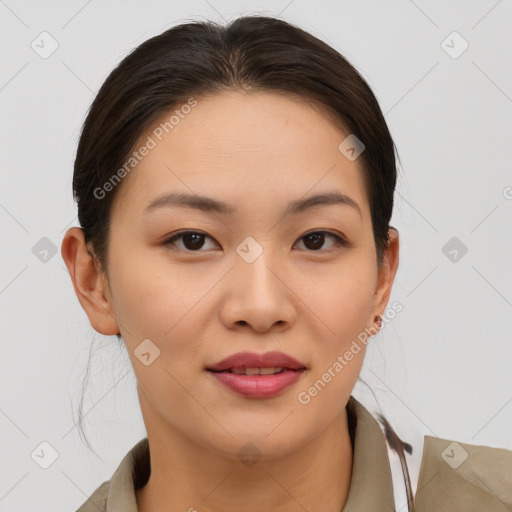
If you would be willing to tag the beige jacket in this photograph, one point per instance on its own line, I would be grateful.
(452, 476)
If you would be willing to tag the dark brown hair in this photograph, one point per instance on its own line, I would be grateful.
(194, 59)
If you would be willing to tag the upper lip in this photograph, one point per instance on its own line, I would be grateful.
(255, 360)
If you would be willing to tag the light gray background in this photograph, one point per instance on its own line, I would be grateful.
(442, 366)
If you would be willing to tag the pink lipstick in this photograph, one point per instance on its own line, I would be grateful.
(258, 375)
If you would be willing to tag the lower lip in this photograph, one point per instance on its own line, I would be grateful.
(258, 386)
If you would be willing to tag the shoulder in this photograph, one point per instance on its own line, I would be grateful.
(461, 476)
(119, 493)
(98, 499)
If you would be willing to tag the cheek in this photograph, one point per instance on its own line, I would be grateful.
(343, 294)
(342, 302)
(151, 298)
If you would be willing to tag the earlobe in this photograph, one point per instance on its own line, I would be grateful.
(88, 282)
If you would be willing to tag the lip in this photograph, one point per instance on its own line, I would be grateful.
(255, 360)
(258, 386)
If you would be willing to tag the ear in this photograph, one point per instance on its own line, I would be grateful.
(386, 274)
(89, 282)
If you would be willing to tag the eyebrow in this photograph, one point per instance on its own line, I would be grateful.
(209, 204)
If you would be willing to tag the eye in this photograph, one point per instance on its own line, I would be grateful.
(194, 240)
(315, 239)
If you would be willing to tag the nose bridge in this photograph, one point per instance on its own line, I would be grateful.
(256, 263)
(257, 293)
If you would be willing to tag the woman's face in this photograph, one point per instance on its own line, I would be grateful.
(257, 277)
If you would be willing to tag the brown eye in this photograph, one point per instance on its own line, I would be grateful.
(316, 239)
(192, 240)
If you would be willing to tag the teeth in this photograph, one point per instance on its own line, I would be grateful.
(270, 371)
(256, 371)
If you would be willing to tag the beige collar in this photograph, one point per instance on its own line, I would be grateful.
(371, 486)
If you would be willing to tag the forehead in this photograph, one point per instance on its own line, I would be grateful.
(236, 145)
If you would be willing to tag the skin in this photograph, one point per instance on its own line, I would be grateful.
(255, 152)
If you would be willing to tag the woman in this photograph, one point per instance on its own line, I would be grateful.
(235, 186)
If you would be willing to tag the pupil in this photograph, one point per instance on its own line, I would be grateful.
(195, 238)
(316, 237)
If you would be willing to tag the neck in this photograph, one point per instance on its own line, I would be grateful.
(188, 477)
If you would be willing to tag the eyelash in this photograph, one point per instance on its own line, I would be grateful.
(340, 241)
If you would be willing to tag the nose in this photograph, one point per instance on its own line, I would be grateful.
(259, 294)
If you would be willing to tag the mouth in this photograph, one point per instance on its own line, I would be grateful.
(273, 370)
(254, 375)
(253, 363)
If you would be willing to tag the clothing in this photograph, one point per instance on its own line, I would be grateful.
(452, 476)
